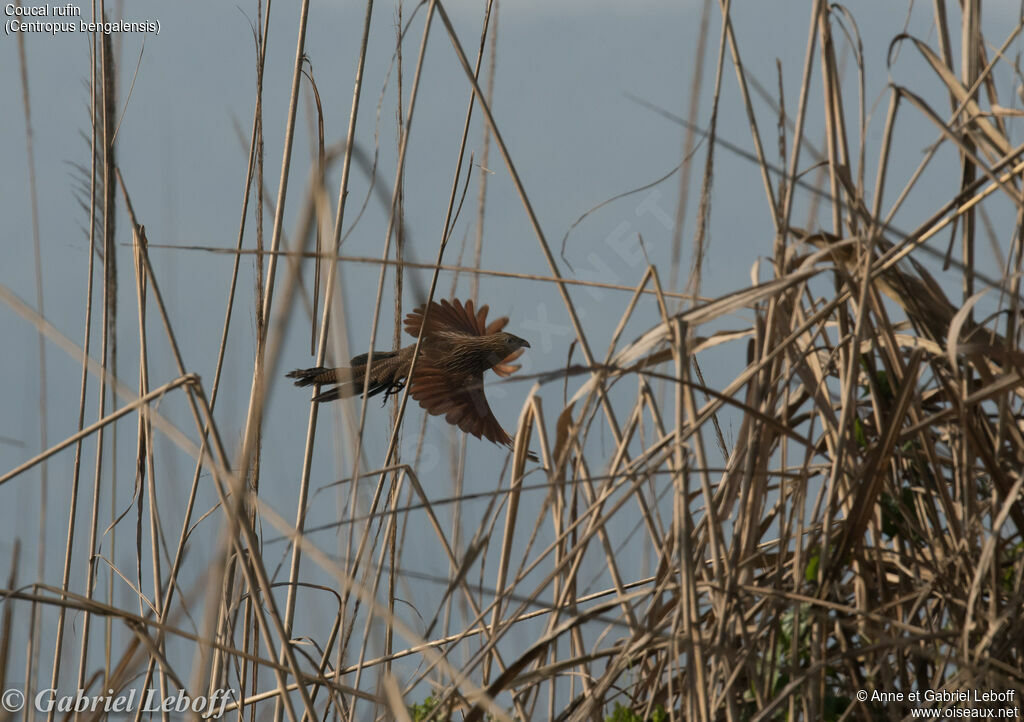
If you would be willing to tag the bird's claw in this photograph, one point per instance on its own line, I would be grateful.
(392, 390)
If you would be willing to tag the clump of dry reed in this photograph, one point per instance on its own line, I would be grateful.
(859, 531)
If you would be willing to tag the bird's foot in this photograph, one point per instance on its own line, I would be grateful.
(392, 390)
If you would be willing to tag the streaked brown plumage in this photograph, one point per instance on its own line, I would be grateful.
(458, 345)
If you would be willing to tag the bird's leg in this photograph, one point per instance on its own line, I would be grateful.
(392, 390)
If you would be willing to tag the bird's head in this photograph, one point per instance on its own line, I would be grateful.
(512, 343)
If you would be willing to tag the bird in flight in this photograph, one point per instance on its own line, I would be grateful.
(457, 346)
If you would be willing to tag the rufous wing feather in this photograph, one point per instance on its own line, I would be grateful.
(448, 316)
(462, 401)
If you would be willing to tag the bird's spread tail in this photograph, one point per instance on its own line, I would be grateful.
(315, 375)
(319, 375)
(384, 376)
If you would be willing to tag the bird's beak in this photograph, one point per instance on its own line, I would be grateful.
(525, 342)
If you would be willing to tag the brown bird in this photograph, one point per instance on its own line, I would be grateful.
(458, 345)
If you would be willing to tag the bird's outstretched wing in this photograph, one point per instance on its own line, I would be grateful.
(455, 315)
(461, 400)
(448, 316)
